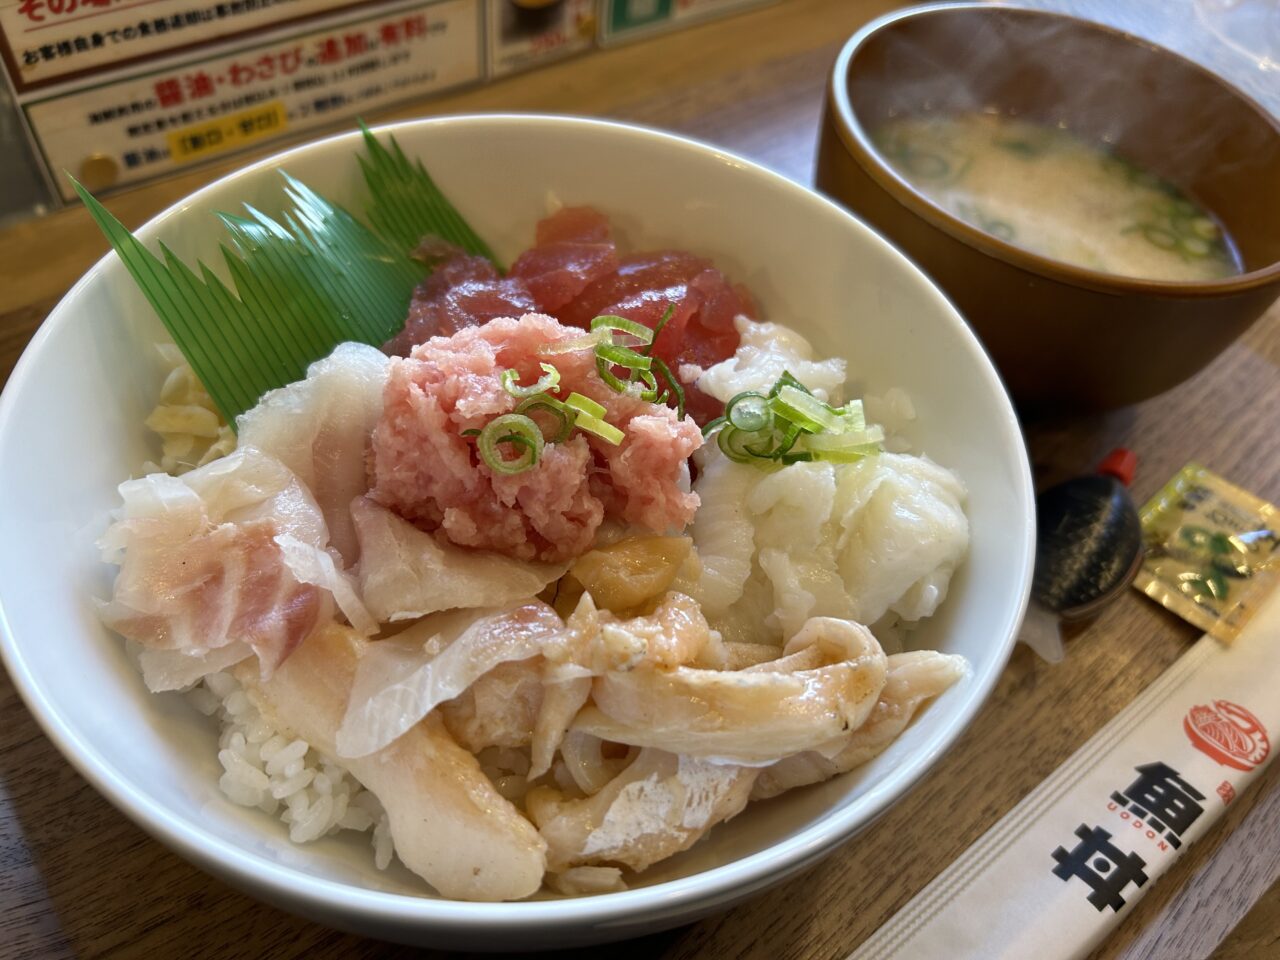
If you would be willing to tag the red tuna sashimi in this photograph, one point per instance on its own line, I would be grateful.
(701, 329)
(574, 249)
(424, 469)
(711, 335)
(462, 291)
(574, 225)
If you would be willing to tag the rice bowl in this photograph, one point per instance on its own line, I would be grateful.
(693, 197)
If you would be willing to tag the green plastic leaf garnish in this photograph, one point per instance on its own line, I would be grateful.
(407, 203)
(303, 283)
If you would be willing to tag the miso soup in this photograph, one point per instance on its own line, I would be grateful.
(1052, 193)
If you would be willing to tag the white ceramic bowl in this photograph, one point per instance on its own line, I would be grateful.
(71, 430)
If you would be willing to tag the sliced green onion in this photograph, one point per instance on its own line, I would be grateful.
(855, 418)
(733, 443)
(805, 410)
(787, 380)
(564, 416)
(584, 405)
(646, 379)
(749, 411)
(790, 425)
(788, 440)
(604, 368)
(516, 429)
(845, 446)
(587, 342)
(605, 431)
(662, 322)
(631, 328)
(473, 432)
(545, 384)
(672, 386)
(623, 357)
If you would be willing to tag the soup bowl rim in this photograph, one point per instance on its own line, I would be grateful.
(858, 143)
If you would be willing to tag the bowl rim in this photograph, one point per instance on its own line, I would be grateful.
(332, 899)
(856, 141)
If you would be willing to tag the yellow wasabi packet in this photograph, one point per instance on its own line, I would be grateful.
(1212, 551)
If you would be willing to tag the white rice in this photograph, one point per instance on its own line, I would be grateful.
(283, 776)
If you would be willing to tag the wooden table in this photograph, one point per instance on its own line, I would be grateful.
(77, 879)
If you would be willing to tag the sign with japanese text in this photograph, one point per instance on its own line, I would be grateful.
(155, 122)
(524, 33)
(47, 39)
(632, 19)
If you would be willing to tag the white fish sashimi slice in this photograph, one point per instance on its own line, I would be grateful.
(405, 573)
(401, 679)
(448, 823)
(200, 568)
(656, 807)
(319, 428)
(310, 564)
(164, 670)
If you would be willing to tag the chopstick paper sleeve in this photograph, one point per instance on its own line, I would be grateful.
(1064, 866)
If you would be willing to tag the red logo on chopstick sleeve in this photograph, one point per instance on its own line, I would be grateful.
(1227, 733)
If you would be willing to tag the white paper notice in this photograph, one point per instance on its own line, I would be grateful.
(159, 120)
(1062, 868)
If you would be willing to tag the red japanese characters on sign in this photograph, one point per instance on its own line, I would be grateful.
(46, 39)
(35, 10)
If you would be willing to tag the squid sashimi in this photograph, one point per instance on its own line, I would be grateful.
(202, 569)
(450, 826)
(319, 428)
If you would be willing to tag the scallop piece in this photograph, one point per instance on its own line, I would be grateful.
(626, 574)
(448, 822)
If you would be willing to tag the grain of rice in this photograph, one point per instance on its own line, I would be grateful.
(312, 795)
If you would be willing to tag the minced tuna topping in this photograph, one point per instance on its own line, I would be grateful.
(424, 468)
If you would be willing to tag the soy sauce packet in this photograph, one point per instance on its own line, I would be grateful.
(1212, 551)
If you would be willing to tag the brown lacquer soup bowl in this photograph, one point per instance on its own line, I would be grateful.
(1065, 338)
